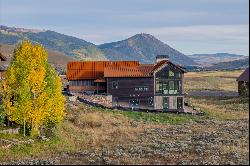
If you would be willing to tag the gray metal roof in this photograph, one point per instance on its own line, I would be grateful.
(244, 76)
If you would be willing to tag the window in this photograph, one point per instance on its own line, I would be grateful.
(178, 86)
(157, 87)
(171, 85)
(165, 87)
(171, 73)
(134, 102)
(114, 85)
(136, 89)
(82, 83)
(178, 74)
(168, 87)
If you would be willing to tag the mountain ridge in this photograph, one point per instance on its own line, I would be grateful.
(144, 48)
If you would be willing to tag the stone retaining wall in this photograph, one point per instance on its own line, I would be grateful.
(10, 131)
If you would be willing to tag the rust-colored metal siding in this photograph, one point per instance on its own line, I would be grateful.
(137, 71)
(94, 69)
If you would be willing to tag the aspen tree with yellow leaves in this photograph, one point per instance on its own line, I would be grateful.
(32, 89)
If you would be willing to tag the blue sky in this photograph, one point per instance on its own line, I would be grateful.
(190, 26)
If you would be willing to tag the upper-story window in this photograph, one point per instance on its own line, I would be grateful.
(178, 74)
(114, 85)
(171, 73)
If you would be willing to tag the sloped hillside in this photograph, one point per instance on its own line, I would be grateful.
(210, 59)
(231, 65)
(54, 57)
(70, 46)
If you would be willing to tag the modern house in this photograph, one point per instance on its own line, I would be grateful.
(156, 86)
(243, 83)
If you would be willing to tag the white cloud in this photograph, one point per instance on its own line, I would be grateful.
(203, 33)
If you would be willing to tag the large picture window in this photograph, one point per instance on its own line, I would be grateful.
(168, 87)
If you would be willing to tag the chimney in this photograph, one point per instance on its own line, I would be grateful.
(161, 58)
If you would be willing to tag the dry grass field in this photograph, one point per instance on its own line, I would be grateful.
(223, 107)
(212, 80)
(91, 135)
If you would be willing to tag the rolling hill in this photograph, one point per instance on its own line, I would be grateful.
(70, 46)
(54, 57)
(143, 47)
(230, 65)
(210, 59)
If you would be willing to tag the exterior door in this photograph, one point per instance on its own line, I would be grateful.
(179, 102)
(165, 102)
(115, 101)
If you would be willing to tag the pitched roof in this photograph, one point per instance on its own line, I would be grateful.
(244, 76)
(159, 64)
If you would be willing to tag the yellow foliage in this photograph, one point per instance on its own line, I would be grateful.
(32, 89)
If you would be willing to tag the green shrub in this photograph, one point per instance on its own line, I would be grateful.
(244, 90)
